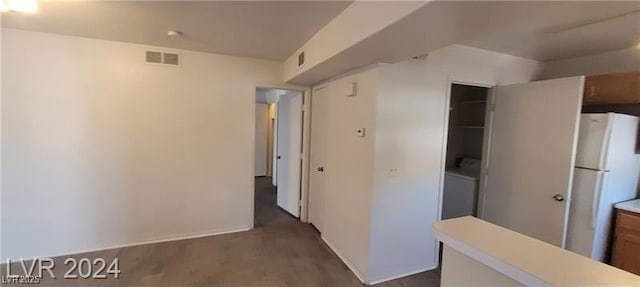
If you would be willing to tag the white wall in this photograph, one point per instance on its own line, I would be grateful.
(100, 149)
(610, 62)
(349, 169)
(405, 194)
(260, 153)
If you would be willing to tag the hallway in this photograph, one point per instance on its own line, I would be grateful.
(292, 253)
(298, 246)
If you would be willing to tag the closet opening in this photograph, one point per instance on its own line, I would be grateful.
(467, 130)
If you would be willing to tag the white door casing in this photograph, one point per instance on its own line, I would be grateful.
(274, 159)
(260, 153)
(531, 157)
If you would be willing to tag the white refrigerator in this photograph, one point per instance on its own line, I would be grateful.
(606, 172)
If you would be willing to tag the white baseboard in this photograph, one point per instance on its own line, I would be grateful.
(346, 261)
(362, 277)
(401, 275)
(175, 237)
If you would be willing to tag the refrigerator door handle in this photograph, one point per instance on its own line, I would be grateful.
(595, 204)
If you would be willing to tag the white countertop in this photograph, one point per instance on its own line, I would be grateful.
(527, 260)
(632, 205)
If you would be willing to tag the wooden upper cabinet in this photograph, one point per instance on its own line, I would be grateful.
(612, 89)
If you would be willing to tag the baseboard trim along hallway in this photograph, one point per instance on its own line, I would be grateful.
(178, 237)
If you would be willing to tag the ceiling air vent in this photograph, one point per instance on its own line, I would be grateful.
(171, 59)
(154, 57)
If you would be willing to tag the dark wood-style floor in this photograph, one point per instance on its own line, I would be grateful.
(279, 251)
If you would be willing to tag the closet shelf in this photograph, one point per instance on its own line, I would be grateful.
(473, 102)
(470, 127)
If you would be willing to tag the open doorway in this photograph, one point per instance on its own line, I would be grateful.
(465, 145)
(279, 128)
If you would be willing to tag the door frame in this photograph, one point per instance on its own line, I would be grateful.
(445, 139)
(304, 173)
(486, 149)
(266, 140)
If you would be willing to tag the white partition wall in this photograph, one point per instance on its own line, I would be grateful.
(382, 190)
(349, 169)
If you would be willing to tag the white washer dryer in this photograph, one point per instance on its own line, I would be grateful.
(460, 195)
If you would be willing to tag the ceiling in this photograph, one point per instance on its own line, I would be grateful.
(269, 96)
(539, 30)
(257, 29)
(549, 31)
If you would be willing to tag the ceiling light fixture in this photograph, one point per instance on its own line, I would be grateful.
(3, 6)
(174, 33)
(25, 6)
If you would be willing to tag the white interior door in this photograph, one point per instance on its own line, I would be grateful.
(289, 149)
(274, 156)
(531, 157)
(317, 156)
